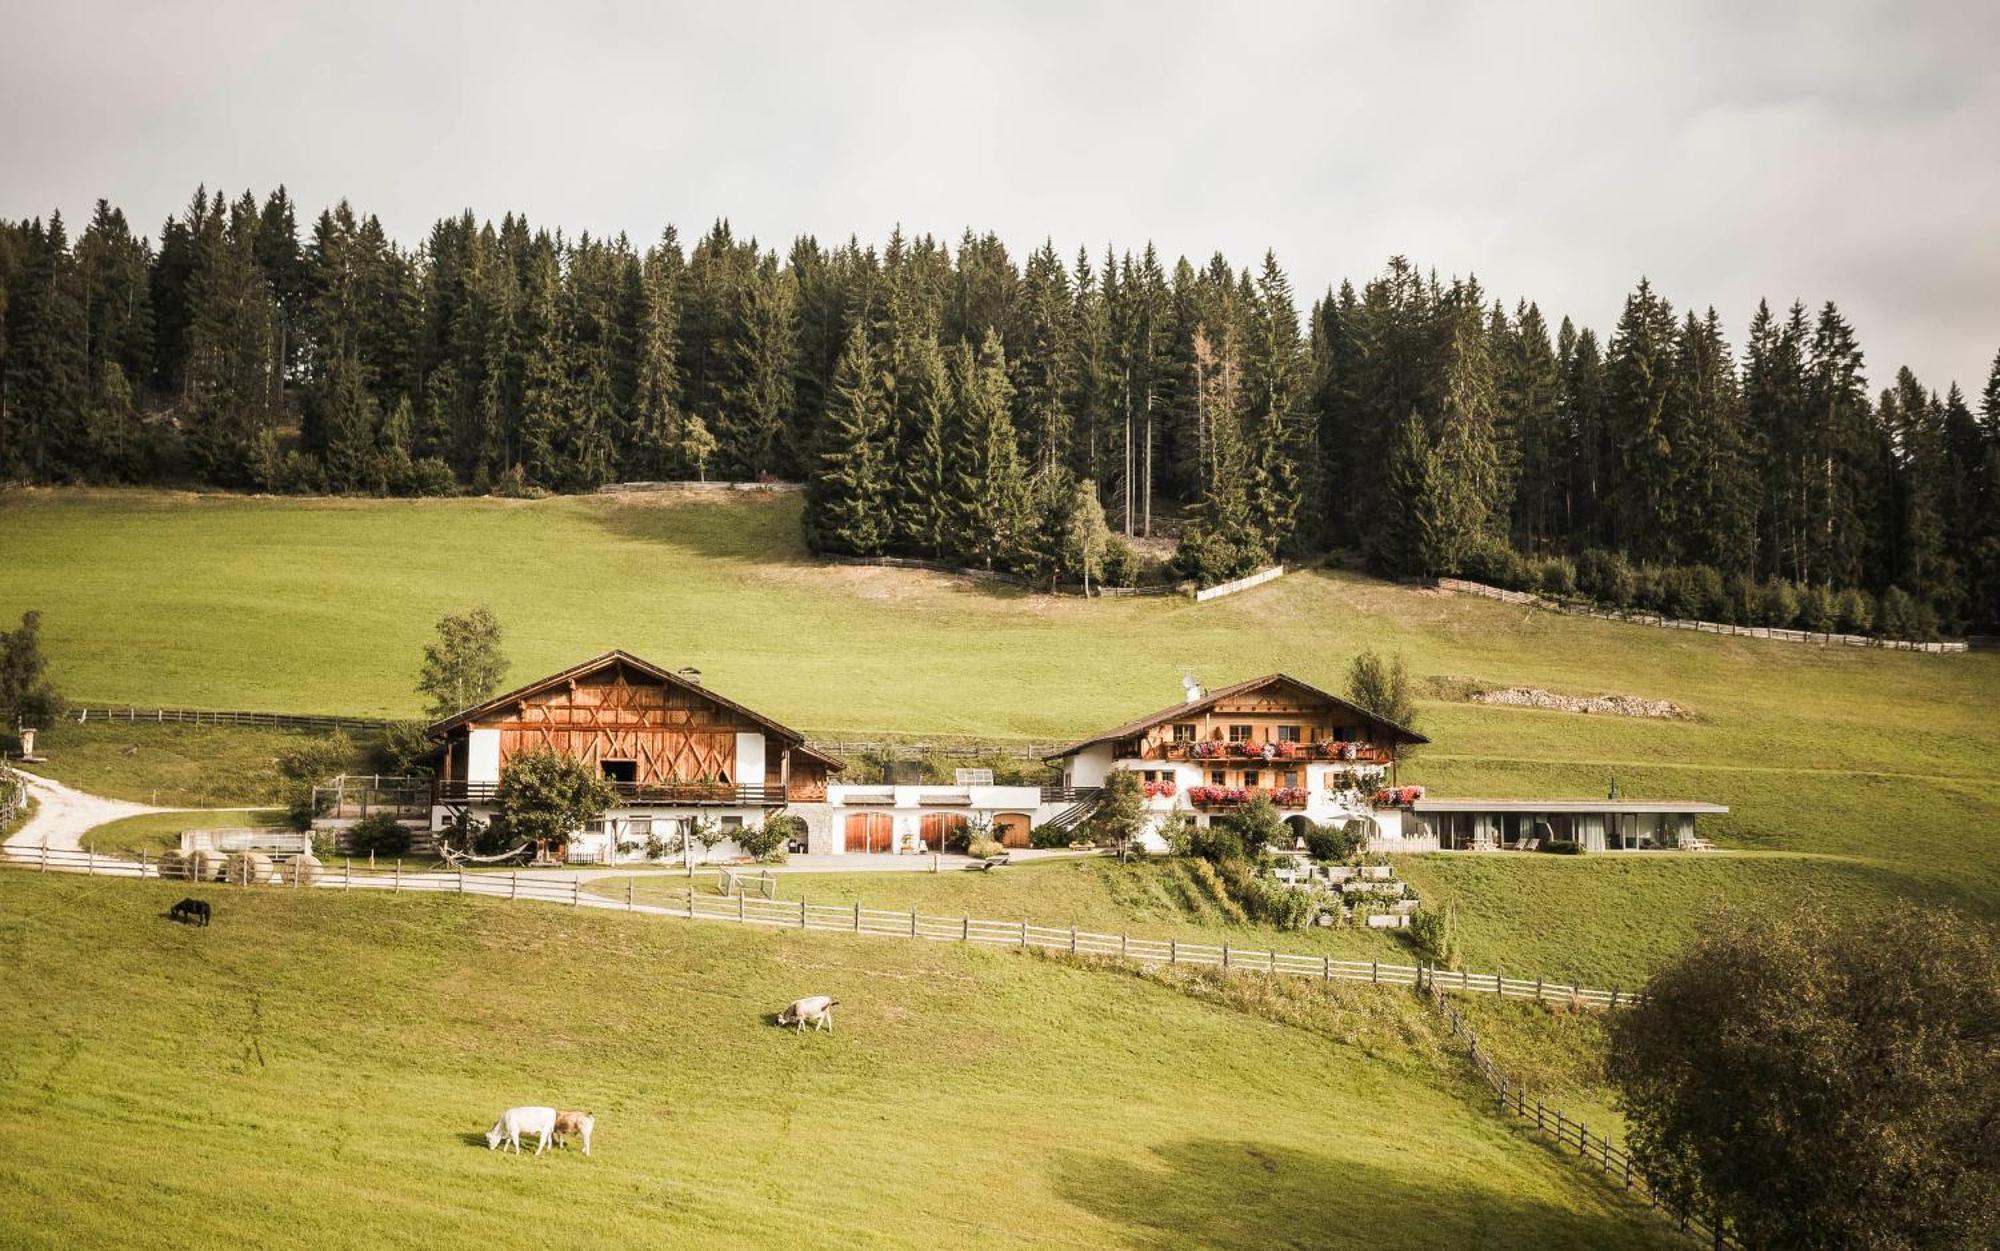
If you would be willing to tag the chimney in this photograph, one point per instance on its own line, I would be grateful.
(689, 675)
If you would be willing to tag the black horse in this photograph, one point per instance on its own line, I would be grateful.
(190, 911)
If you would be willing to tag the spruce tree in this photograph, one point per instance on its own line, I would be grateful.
(924, 403)
(847, 500)
(988, 488)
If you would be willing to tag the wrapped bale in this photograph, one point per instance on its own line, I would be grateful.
(204, 865)
(303, 869)
(247, 868)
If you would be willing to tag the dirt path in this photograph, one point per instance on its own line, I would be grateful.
(64, 815)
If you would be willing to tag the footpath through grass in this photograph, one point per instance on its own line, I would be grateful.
(315, 1070)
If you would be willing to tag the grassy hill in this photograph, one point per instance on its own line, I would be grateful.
(1873, 771)
(316, 1071)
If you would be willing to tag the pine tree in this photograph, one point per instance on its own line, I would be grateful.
(924, 485)
(1638, 390)
(231, 382)
(756, 412)
(46, 384)
(1530, 392)
(847, 500)
(1468, 473)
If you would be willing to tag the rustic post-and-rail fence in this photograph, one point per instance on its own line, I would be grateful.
(799, 914)
(317, 723)
(1568, 1133)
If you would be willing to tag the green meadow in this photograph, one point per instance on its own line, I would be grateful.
(319, 1069)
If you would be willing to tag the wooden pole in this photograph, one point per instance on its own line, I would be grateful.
(628, 894)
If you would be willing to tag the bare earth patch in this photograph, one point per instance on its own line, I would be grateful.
(1608, 705)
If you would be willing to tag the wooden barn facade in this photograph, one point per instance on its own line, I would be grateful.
(670, 746)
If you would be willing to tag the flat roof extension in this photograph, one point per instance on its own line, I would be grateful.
(1673, 806)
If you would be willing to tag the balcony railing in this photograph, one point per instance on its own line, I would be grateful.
(1210, 749)
(727, 794)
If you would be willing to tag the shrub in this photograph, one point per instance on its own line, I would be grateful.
(1563, 847)
(1780, 604)
(1744, 599)
(1817, 611)
(426, 476)
(1649, 588)
(1606, 576)
(403, 748)
(1120, 564)
(379, 835)
(1493, 562)
(549, 798)
(1558, 577)
(984, 848)
(1178, 832)
(1331, 844)
(1898, 618)
(1856, 609)
(1217, 842)
(1435, 932)
(305, 766)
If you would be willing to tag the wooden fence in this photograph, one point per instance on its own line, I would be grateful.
(1821, 638)
(203, 716)
(13, 794)
(1258, 578)
(799, 914)
(1568, 1133)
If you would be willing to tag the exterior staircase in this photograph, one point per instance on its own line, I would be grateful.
(1068, 819)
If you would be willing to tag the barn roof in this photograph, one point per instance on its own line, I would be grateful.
(597, 664)
(1187, 708)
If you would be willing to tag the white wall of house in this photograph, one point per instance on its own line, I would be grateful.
(482, 756)
(1323, 804)
(629, 824)
(749, 760)
(1089, 766)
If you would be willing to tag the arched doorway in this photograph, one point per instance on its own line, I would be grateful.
(870, 831)
(1011, 828)
(1300, 826)
(943, 831)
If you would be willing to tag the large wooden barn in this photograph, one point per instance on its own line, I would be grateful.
(672, 747)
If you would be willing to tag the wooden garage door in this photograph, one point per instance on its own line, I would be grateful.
(870, 831)
(944, 831)
(1011, 828)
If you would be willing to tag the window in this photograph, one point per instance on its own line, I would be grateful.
(1343, 734)
(1218, 778)
(732, 823)
(1291, 778)
(620, 770)
(1288, 734)
(1183, 731)
(1239, 733)
(1250, 777)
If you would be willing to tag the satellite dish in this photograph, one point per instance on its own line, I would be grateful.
(1191, 687)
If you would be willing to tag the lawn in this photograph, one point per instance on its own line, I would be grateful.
(179, 766)
(315, 1070)
(156, 832)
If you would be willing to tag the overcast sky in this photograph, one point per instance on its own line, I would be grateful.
(1839, 151)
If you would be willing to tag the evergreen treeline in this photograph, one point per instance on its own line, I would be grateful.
(950, 403)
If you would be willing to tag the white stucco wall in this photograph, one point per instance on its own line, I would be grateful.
(906, 809)
(749, 760)
(482, 756)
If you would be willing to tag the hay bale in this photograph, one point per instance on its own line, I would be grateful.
(303, 869)
(204, 865)
(247, 868)
(174, 865)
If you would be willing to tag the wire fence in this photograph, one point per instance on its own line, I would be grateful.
(800, 914)
(1568, 1133)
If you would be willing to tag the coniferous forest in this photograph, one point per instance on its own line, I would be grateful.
(953, 403)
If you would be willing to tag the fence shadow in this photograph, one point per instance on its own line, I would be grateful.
(1240, 1195)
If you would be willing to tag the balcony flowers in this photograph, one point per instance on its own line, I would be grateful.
(1217, 796)
(1397, 796)
(1161, 790)
(1209, 750)
(1289, 797)
(1348, 751)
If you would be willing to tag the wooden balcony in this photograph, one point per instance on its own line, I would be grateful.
(691, 794)
(1215, 798)
(1211, 750)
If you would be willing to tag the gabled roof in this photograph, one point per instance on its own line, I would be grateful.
(1185, 709)
(598, 663)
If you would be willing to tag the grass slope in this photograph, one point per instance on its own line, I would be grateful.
(315, 1071)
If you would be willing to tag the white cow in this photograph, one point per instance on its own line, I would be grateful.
(517, 1121)
(817, 1009)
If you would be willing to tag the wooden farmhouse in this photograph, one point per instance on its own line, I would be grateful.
(672, 748)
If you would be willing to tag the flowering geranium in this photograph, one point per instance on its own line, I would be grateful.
(1206, 796)
(1160, 790)
(1397, 796)
(1208, 750)
(1289, 797)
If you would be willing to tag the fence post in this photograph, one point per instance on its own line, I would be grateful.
(1024, 935)
(1582, 1138)
(628, 894)
(142, 866)
(45, 855)
(1465, 979)
(965, 929)
(461, 879)
(690, 903)
(1173, 951)
(913, 923)
(397, 888)
(1614, 996)
(857, 916)
(1538, 1116)
(347, 874)
(1538, 990)
(1072, 940)
(513, 884)
(575, 892)
(1225, 957)
(90, 860)
(802, 912)
(740, 897)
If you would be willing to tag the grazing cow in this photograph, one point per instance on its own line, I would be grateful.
(575, 1125)
(190, 911)
(517, 1121)
(816, 1009)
